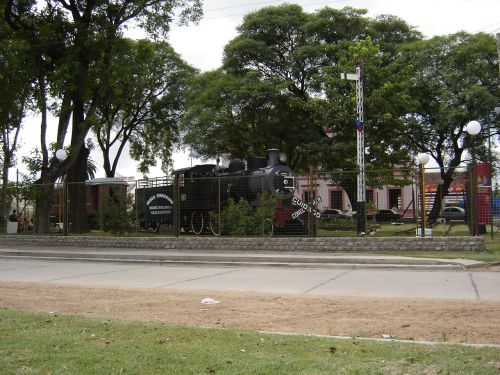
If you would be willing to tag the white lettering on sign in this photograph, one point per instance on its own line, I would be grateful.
(165, 196)
(154, 196)
(163, 212)
(304, 207)
(160, 209)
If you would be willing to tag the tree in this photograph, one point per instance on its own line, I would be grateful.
(72, 43)
(142, 104)
(280, 86)
(455, 81)
(16, 84)
(242, 115)
(272, 69)
(386, 101)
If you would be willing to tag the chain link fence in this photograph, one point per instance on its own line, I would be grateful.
(399, 202)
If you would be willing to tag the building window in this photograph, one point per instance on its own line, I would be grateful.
(336, 199)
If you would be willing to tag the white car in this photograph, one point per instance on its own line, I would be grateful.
(453, 213)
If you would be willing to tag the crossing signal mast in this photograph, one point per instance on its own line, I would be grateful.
(358, 77)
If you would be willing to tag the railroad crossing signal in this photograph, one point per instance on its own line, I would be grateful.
(360, 137)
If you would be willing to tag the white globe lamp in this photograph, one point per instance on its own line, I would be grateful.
(422, 158)
(473, 127)
(61, 154)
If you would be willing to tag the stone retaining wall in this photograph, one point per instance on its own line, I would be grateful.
(320, 244)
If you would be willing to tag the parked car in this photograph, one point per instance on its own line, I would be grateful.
(332, 214)
(388, 215)
(453, 213)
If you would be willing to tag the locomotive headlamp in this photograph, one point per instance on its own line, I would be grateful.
(283, 157)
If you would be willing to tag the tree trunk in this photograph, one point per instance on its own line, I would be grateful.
(4, 208)
(43, 191)
(442, 191)
(76, 177)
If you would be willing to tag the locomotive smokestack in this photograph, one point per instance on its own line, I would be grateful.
(273, 155)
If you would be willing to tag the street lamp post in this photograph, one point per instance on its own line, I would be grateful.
(493, 116)
(61, 155)
(422, 159)
(473, 128)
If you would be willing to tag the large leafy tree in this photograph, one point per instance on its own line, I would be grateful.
(72, 43)
(243, 115)
(263, 92)
(142, 103)
(455, 81)
(16, 83)
(284, 88)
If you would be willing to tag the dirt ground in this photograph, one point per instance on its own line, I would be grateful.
(418, 319)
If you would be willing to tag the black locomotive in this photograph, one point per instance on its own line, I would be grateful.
(201, 190)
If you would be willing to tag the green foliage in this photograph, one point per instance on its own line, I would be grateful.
(71, 47)
(240, 218)
(142, 103)
(16, 83)
(280, 87)
(455, 80)
(113, 216)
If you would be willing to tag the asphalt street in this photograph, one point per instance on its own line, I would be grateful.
(443, 284)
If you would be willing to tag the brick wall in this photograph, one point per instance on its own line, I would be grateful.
(320, 244)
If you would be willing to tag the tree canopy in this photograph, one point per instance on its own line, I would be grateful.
(72, 44)
(142, 104)
(455, 80)
(280, 86)
(17, 83)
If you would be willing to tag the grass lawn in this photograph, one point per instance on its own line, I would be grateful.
(492, 253)
(46, 344)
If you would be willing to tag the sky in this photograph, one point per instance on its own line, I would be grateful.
(202, 45)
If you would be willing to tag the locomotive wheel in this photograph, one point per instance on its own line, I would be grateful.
(197, 222)
(214, 226)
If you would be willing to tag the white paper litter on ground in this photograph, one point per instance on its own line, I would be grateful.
(209, 301)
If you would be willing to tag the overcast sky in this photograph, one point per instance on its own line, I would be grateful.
(202, 45)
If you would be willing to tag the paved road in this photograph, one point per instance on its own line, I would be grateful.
(301, 281)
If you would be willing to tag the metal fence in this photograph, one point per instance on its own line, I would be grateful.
(398, 202)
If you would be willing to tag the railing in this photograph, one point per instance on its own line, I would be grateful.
(317, 204)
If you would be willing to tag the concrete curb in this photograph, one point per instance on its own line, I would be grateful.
(320, 252)
(350, 266)
(389, 340)
(238, 260)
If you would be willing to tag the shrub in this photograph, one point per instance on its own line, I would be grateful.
(240, 218)
(114, 217)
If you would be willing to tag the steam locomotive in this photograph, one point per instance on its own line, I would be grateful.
(206, 188)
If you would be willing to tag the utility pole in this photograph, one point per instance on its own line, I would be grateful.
(360, 145)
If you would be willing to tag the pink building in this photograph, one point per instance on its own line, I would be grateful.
(377, 198)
